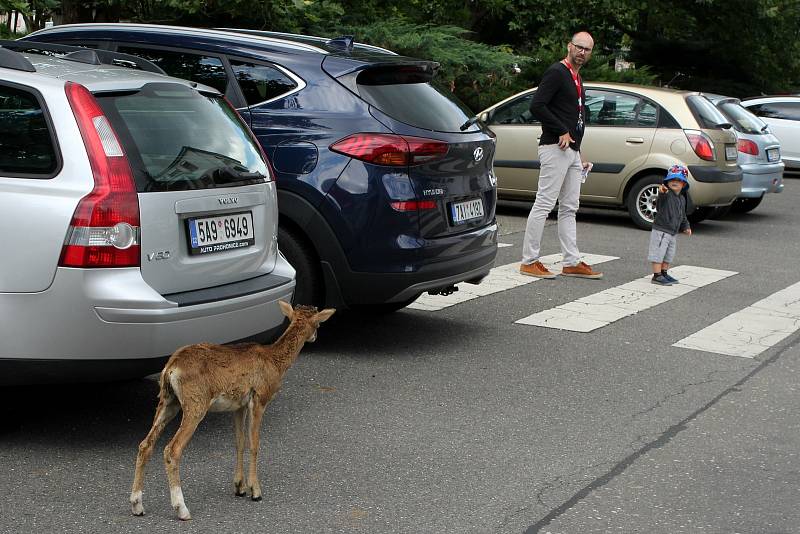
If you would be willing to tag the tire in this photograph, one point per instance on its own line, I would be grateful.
(743, 205)
(720, 212)
(309, 288)
(641, 201)
(700, 213)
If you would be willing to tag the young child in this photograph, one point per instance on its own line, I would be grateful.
(670, 219)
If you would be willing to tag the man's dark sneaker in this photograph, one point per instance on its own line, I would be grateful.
(661, 280)
(666, 275)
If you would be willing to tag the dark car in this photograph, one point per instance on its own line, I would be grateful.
(382, 195)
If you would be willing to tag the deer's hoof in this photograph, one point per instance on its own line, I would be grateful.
(254, 498)
(137, 508)
(240, 493)
(183, 513)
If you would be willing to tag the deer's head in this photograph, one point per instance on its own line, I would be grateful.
(306, 316)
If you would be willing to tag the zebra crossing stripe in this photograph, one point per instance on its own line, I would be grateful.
(499, 279)
(603, 308)
(751, 331)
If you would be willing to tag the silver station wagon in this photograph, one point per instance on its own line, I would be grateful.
(137, 215)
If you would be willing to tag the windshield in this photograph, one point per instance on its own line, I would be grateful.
(178, 139)
(742, 120)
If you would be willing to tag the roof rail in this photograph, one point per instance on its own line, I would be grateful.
(12, 60)
(79, 54)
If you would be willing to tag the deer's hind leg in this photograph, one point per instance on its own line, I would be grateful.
(168, 408)
(192, 415)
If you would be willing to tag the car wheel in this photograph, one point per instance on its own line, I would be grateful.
(309, 285)
(700, 213)
(642, 201)
(720, 212)
(743, 205)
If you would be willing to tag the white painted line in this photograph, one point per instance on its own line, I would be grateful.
(499, 279)
(751, 331)
(603, 308)
(504, 245)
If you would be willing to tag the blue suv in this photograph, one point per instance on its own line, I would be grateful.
(385, 187)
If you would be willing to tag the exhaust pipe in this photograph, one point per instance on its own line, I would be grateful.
(443, 291)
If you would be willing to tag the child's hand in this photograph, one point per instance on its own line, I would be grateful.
(662, 188)
(688, 231)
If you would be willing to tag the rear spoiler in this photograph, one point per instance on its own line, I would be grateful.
(350, 72)
(90, 56)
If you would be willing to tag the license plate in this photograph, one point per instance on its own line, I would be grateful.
(730, 152)
(220, 233)
(466, 211)
(773, 154)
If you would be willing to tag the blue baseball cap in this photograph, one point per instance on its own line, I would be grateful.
(677, 172)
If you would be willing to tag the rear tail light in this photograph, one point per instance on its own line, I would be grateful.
(414, 205)
(701, 144)
(746, 146)
(390, 149)
(104, 231)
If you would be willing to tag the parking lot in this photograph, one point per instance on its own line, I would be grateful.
(461, 419)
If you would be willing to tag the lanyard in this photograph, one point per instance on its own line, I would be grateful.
(578, 86)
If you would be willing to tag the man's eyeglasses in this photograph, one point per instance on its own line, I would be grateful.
(581, 48)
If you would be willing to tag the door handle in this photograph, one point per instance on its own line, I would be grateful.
(635, 140)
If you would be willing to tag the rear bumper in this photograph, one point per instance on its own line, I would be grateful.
(472, 263)
(759, 179)
(714, 187)
(113, 315)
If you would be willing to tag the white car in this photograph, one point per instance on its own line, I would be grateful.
(138, 215)
(782, 114)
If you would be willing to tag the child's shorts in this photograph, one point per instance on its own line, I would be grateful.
(662, 247)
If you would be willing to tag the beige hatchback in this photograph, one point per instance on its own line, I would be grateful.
(633, 135)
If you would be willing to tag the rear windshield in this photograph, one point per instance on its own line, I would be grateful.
(178, 139)
(706, 113)
(411, 98)
(742, 120)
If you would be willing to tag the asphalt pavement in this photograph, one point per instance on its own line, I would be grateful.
(463, 421)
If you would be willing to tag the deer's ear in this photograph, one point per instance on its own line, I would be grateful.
(286, 308)
(325, 314)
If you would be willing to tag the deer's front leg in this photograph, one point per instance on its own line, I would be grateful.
(167, 409)
(172, 457)
(256, 412)
(238, 427)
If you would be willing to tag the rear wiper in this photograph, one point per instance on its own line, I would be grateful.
(226, 175)
(765, 129)
(469, 123)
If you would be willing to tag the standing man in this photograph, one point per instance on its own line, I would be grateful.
(559, 104)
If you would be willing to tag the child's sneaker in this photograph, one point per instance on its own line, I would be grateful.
(661, 280)
(666, 275)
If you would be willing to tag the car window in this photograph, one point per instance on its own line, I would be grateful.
(207, 70)
(607, 108)
(742, 120)
(407, 95)
(706, 113)
(26, 142)
(777, 110)
(260, 83)
(515, 112)
(178, 139)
